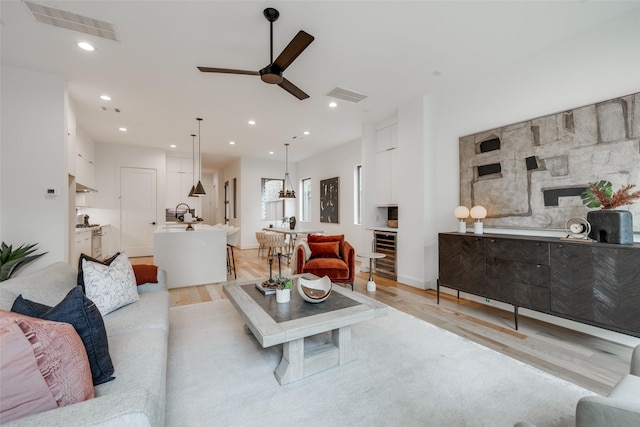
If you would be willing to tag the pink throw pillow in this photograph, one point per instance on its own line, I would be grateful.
(23, 390)
(60, 355)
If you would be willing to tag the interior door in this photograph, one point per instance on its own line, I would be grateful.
(137, 210)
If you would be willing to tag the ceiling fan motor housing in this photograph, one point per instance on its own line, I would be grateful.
(271, 74)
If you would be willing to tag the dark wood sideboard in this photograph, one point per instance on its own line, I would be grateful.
(592, 283)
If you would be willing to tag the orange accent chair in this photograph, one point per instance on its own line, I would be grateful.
(327, 256)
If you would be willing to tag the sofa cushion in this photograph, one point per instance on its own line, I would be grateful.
(324, 250)
(332, 267)
(110, 286)
(6, 298)
(23, 390)
(60, 357)
(151, 311)
(85, 257)
(145, 273)
(84, 316)
(47, 286)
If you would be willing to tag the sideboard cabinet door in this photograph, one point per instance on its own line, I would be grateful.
(599, 285)
(462, 263)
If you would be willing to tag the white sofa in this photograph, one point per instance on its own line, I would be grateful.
(620, 408)
(138, 340)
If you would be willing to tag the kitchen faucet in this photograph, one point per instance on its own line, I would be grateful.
(180, 204)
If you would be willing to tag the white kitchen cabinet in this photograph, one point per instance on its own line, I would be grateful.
(108, 241)
(387, 165)
(179, 181)
(85, 160)
(83, 244)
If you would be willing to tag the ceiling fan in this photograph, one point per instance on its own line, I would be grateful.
(272, 73)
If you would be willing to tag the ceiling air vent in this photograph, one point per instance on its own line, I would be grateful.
(71, 21)
(347, 94)
(115, 110)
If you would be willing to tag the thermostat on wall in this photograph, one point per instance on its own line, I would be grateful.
(50, 192)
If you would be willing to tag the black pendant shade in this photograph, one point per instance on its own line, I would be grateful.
(199, 188)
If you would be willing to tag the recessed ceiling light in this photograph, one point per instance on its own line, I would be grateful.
(105, 97)
(232, 143)
(306, 132)
(333, 105)
(271, 152)
(252, 122)
(86, 46)
(173, 146)
(123, 129)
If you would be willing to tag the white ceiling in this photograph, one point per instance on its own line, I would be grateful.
(388, 50)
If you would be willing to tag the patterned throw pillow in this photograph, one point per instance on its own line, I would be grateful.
(110, 286)
(86, 257)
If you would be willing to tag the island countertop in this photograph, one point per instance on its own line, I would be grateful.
(178, 227)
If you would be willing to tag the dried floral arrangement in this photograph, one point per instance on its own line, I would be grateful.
(602, 195)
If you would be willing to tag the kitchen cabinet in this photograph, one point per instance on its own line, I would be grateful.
(179, 181)
(83, 244)
(387, 165)
(108, 243)
(85, 160)
(591, 283)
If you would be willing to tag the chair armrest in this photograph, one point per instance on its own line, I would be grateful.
(594, 411)
(635, 362)
(301, 258)
(350, 259)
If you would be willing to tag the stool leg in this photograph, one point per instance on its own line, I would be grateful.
(232, 261)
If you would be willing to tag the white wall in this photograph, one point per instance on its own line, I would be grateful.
(109, 159)
(341, 162)
(34, 158)
(592, 67)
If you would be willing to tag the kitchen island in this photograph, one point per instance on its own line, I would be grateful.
(191, 257)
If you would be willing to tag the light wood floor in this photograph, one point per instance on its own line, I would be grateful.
(590, 362)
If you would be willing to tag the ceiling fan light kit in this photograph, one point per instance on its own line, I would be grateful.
(272, 73)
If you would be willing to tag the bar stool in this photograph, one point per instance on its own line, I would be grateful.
(232, 240)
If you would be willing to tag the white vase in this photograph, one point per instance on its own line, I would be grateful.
(283, 295)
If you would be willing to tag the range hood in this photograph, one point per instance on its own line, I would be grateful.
(84, 189)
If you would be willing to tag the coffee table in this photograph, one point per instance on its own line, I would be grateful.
(273, 323)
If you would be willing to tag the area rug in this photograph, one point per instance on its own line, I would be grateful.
(408, 373)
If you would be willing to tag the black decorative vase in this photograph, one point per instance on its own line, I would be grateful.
(611, 226)
(292, 222)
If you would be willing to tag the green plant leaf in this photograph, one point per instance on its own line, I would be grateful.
(12, 260)
(590, 200)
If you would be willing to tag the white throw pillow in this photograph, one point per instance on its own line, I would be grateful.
(110, 286)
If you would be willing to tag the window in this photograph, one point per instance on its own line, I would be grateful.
(357, 193)
(306, 199)
(272, 206)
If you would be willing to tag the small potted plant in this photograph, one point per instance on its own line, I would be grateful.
(283, 289)
(609, 224)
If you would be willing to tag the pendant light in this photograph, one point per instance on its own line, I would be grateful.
(287, 190)
(193, 157)
(199, 188)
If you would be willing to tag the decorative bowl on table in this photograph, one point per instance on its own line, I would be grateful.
(314, 290)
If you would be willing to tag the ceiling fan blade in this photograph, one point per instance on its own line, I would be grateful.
(293, 89)
(227, 71)
(295, 47)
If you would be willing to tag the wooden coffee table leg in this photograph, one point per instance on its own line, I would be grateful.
(342, 340)
(291, 367)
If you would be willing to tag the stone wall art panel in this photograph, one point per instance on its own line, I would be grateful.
(531, 174)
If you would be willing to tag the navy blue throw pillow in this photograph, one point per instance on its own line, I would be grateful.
(84, 316)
